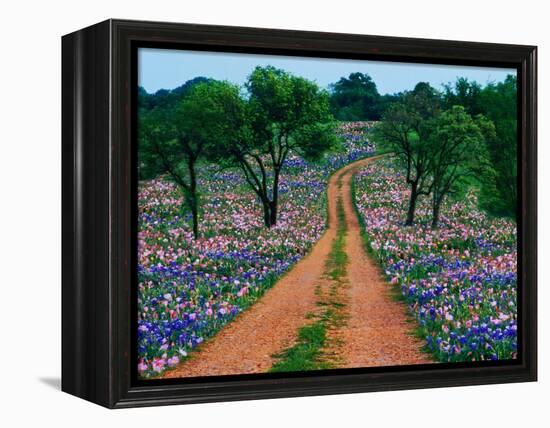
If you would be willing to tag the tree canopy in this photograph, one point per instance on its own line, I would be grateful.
(355, 98)
(405, 130)
(498, 103)
(456, 146)
(164, 97)
(284, 113)
(174, 138)
(255, 131)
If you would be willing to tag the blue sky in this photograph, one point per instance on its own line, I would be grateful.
(168, 69)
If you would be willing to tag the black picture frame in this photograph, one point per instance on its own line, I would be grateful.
(99, 199)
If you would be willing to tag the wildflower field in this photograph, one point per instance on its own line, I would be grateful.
(188, 289)
(239, 271)
(459, 280)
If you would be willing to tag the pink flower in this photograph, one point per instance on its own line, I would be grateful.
(173, 361)
(158, 364)
(142, 366)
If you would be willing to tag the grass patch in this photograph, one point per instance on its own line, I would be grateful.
(304, 355)
(338, 259)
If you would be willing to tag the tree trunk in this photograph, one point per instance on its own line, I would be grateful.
(275, 201)
(273, 213)
(435, 215)
(436, 205)
(267, 213)
(192, 198)
(195, 214)
(412, 204)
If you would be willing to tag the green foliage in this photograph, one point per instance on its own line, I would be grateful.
(212, 115)
(338, 258)
(256, 131)
(283, 113)
(406, 123)
(448, 142)
(405, 129)
(152, 130)
(464, 93)
(498, 103)
(161, 121)
(173, 137)
(305, 354)
(286, 113)
(456, 150)
(355, 98)
(167, 98)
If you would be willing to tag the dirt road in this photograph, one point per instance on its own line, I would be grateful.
(376, 332)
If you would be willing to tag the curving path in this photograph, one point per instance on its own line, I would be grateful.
(376, 332)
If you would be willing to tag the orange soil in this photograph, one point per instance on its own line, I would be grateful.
(377, 332)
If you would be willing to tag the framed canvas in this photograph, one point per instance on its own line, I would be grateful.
(252, 213)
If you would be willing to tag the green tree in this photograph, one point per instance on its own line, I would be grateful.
(284, 113)
(173, 140)
(405, 129)
(497, 102)
(500, 103)
(465, 93)
(457, 150)
(167, 97)
(355, 98)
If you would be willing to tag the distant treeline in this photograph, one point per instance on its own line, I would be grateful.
(485, 126)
